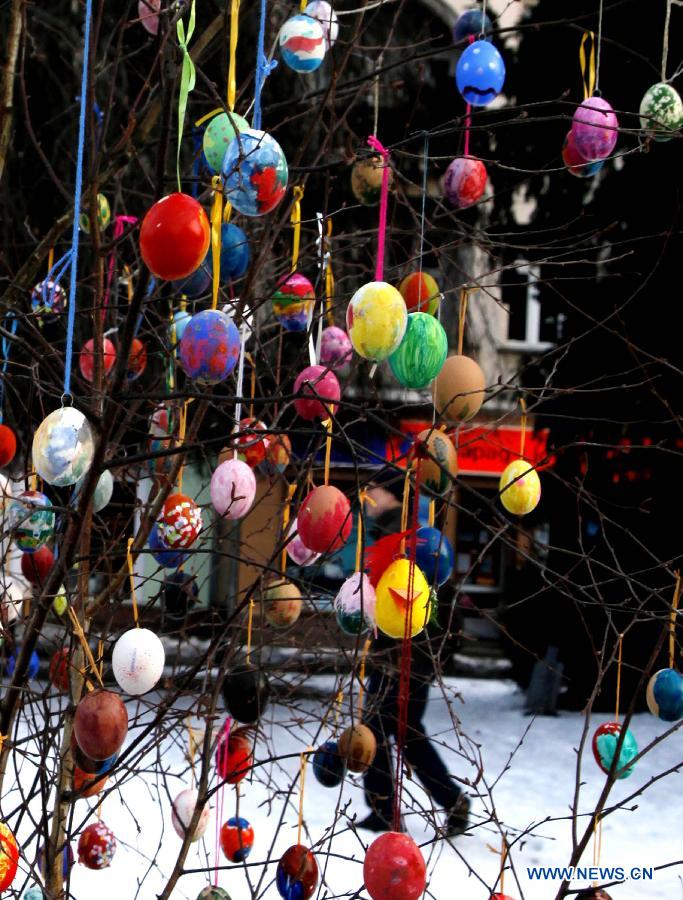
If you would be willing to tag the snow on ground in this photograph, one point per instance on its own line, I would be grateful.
(538, 785)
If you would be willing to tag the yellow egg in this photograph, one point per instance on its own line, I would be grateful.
(520, 487)
(376, 320)
(394, 592)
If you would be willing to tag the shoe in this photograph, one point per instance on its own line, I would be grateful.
(375, 822)
(459, 817)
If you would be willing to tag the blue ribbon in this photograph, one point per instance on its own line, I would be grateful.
(263, 67)
(6, 347)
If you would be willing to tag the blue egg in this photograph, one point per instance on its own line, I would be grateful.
(472, 23)
(235, 252)
(434, 555)
(33, 665)
(328, 765)
(169, 559)
(254, 173)
(480, 73)
(665, 695)
(210, 346)
(198, 283)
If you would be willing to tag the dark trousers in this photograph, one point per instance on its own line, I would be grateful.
(382, 706)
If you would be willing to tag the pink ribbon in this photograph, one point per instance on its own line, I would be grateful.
(468, 119)
(120, 223)
(384, 196)
(221, 763)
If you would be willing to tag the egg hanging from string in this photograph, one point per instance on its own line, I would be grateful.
(174, 237)
(480, 73)
(234, 754)
(420, 293)
(366, 179)
(665, 695)
(179, 594)
(293, 302)
(329, 767)
(434, 555)
(472, 23)
(8, 445)
(210, 347)
(437, 458)
(96, 846)
(459, 389)
(180, 522)
(182, 813)
(218, 135)
(336, 349)
(31, 519)
(63, 447)
(354, 605)
(376, 320)
(148, 13)
(317, 393)
(103, 215)
(86, 359)
(422, 352)
(299, 554)
(402, 600)
(604, 746)
(85, 784)
(246, 692)
(237, 839)
(575, 163)
(302, 43)
(233, 488)
(593, 894)
(296, 876)
(235, 252)
(464, 182)
(59, 670)
(661, 111)
(322, 12)
(48, 300)
(35, 567)
(137, 360)
(255, 173)
(595, 129)
(520, 487)
(252, 441)
(100, 724)
(282, 603)
(324, 519)
(169, 559)
(211, 892)
(138, 661)
(394, 868)
(358, 747)
(68, 860)
(9, 856)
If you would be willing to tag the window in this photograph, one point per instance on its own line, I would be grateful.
(521, 294)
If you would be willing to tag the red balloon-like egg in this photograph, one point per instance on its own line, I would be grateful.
(174, 237)
(8, 445)
(86, 358)
(324, 519)
(36, 566)
(320, 390)
(100, 724)
(394, 868)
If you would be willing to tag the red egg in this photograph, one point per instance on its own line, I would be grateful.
(59, 670)
(8, 445)
(235, 757)
(86, 358)
(394, 868)
(137, 360)
(501, 897)
(174, 237)
(9, 856)
(252, 441)
(100, 724)
(296, 877)
(321, 393)
(180, 522)
(36, 566)
(237, 839)
(324, 519)
(96, 846)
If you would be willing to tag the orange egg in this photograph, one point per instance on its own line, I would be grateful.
(357, 745)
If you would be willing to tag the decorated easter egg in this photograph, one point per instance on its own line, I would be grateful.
(434, 554)
(48, 299)
(472, 23)
(68, 860)
(324, 519)
(296, 549)
(661, 111)
(182, 812)
(211, 892)
(31, 520)
(63, 447)
(33, 893)
(9, 857)
(438, 460)
(605, 747)
(318, 392)
(255, 173)
(354, 605)
(180, 522)
(575, 163)
(103, 490)
(174, 237)
(358, 747)
(665, 695)
(503, 897)
(60, 604)
(137, 360)
(246, 692)
(302, 43)
(235, 252)
(282, 603)
(96, 846)
(464, 182)
(195, 285)
(148, 13)
(329, 767)
(421, 353)
(394, 868)
(169, 559)
(33, 664)
(420, 293)
(293, 301)
(100, 724)
(594, 129)
(218, 135)
(459, 389)
(336, 348)
(8, 445)
(366, 179)
(103, 215)
(322, 12)
(90, 765)
(35, 567)
(402, 600)
(138, 660)
(237, 839)
(209, 347)
(297, 873)
(60, 665)
(480, 73)
(234, 755)
(520, 487)
(593, 894)
(278, 453)
(85, 784)
(86, 359)
(376, 320)
(251, 442)
(179, 594)
(233, 488)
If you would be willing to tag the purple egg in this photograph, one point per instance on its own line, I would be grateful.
(335, 347)
(594, 129)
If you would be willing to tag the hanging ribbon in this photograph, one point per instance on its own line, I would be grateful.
(216, 222)
(329, 276)
(462, 318)
(6, 347)
(131, 576)
(522, 438)
(383, 200)
(587, 64)
(672, 620)
(182, 427)
(120, 223)
(250, 623)
(361, 678)
(285, 522)
(232, 65)
(328, 449)
(188, 77)
(264, 66)
(295, 221)
(240, 374)
(302, 782)
(80, 634)
(468, 116)
(619, 658)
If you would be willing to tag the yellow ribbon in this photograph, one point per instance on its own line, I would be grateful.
(522, 440)
(131, 576)
(361, 679)
(216, 222)
(329, 277)
(302, 5)
(232, 66)
(672, 620)
(362, 498)
(250, 623)
(328, 449)
(209, 115)
(295, 220)
(182, 427)
(587, 63)
(285, 522)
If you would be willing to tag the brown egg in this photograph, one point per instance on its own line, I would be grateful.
(357, 745)
(366, 180)
(438, 460)
(88, 785)
(458, 390)
(282, 602)
(100, 724)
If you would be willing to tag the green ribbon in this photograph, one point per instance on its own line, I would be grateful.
(187, 78)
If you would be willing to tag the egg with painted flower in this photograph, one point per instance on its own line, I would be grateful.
(180, 522)
(254, 173)
(422, 352)
(293, 302)
(376, 320)
(520, 487)
(210, 347)
(96, 846)
(480, 73)
(63, 447)
(402, 600)
(661, 111)
(302, 43)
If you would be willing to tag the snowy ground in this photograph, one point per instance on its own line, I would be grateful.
(538, 785)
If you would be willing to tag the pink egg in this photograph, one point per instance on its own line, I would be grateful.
(182, 812)
(148, 12)
(464, 182)
(297, 551)
(233, 488)
(594, 129)
(335, 347)
(321, 393)
(357, 592)
(325, 519)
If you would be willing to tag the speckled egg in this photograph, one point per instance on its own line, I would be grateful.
(96, 846)
(180, 522)
(218, 135)
(661, 111)
(209, 347)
